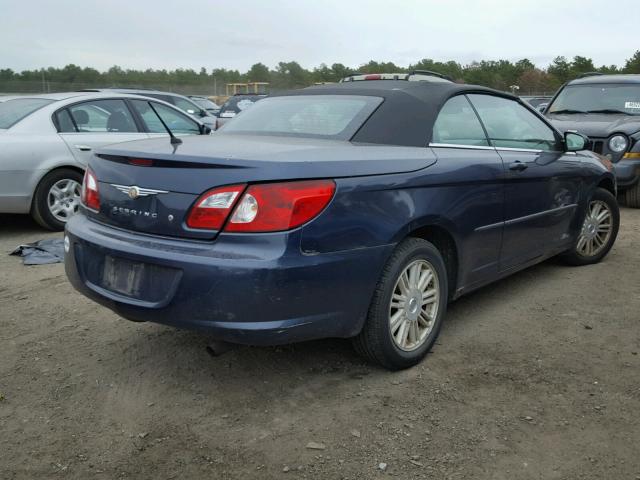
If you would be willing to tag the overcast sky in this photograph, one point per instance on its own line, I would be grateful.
(236, 34)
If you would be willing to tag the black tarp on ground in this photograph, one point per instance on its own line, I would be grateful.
(41, 252)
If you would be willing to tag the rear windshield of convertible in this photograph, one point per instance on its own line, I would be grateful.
(12, 111)
(320, 116)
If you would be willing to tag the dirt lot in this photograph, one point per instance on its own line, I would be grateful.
(537, 376)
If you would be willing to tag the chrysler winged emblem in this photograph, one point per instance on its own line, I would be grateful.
(133, 191)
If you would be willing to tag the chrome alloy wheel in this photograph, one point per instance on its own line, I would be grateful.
(63, 199)
(414, 305)
(596, 229)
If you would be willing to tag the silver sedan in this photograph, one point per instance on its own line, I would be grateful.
(46, 141)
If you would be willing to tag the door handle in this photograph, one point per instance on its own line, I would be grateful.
(83, 148)
(518, 166)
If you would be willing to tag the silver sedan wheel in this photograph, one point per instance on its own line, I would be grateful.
(414, 305)
(596, 229)
(64, 199)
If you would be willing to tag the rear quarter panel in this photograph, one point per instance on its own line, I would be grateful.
(459, 193)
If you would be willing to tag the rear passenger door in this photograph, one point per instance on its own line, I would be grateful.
(474, 171)
(88, 125)
(541, 185)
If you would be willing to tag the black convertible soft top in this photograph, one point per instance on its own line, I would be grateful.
(408, 112)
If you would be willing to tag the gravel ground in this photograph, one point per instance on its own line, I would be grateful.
(537, 376)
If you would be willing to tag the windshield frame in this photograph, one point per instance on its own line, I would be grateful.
(372, 103)
(45, 102)
(580, 109)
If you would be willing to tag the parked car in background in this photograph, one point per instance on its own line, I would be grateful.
(46, 141)
(413, 76)
(203, 102)
(236, 104)
(183, 103)
(542, 107)
(351, 210)
(607, 109)
(536, 101)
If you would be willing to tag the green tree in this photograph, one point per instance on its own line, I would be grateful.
(380, 67)
(632, 65)
(451, 68)
(560, 68)
(500, 74)
(609, 69)
(258, 72)
(581, 65)
(340, 71)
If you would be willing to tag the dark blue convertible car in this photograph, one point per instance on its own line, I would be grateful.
(351, 210)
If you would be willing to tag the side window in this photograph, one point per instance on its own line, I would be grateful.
(186, 106)
(102, 116)
(458, 124)
(65, 124)
(511, 125)
(177, 122)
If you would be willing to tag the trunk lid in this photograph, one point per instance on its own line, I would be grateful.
(156, 199)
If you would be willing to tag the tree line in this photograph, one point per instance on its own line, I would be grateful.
(498, 74)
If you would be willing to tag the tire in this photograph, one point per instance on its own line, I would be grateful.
(632, 196)
(376, 342)
(67, 200)
(581, 253)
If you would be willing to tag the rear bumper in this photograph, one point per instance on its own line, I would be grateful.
(627, 173)
(249, 289)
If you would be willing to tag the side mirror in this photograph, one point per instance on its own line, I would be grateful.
(204, 130)
(203, 113)
(574, 141)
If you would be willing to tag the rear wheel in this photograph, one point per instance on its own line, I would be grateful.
(408, 307)
(57, 198)
(599, 230)
(632, 196)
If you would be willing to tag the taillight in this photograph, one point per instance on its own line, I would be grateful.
(90, 194)
(213, 207)
(274, 207)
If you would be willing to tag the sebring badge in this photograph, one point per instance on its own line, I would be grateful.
(133, 191)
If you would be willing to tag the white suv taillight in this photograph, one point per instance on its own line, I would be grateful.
(90, 194)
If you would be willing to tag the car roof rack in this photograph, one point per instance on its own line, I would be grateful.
(429, 72)
(354, 77)
(589, 74)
